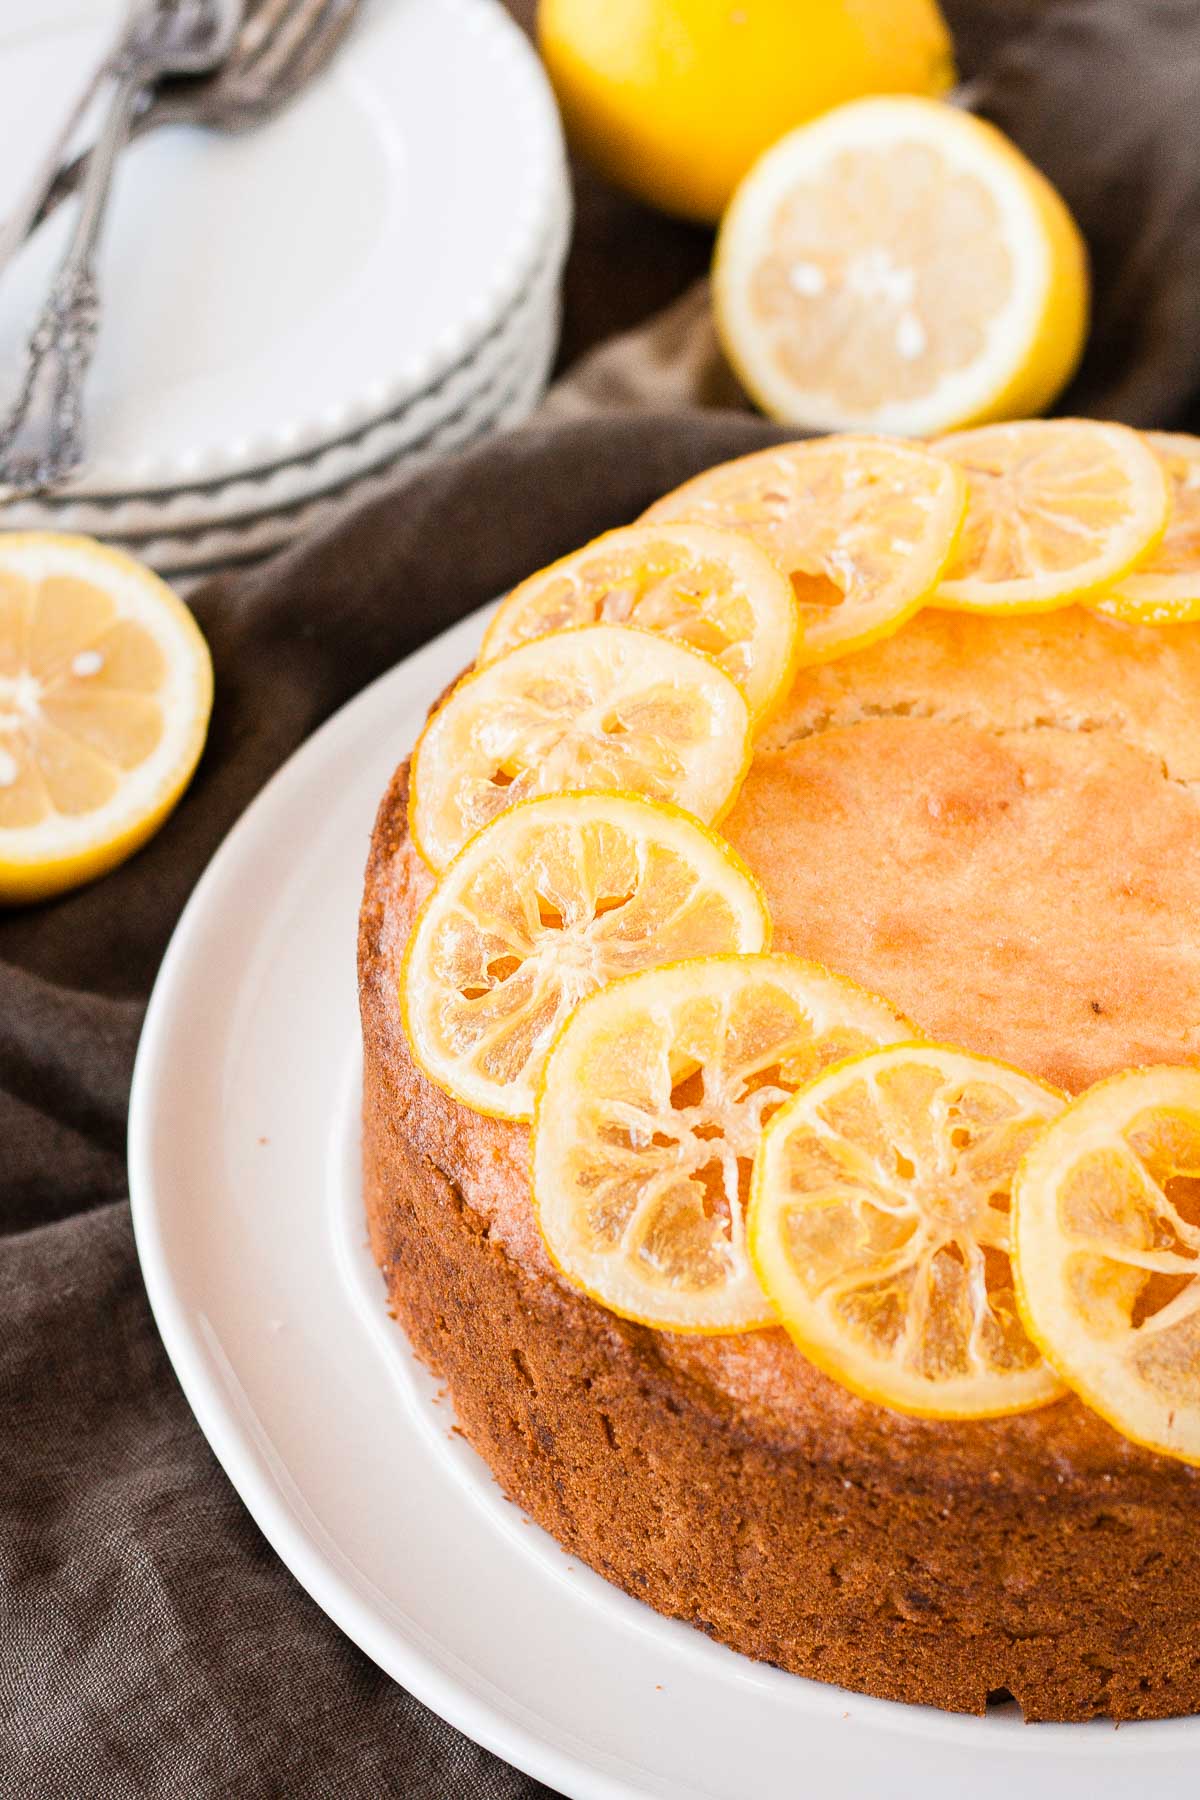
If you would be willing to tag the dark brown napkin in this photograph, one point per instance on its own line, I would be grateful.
(151, 1645)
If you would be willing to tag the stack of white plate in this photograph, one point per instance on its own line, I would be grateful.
(290, 314)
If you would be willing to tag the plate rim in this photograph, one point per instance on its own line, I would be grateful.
(418, 1673)
(496, 406)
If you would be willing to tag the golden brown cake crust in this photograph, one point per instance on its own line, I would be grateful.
(726, 1481)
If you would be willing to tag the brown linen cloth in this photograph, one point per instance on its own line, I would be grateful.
(150, 1642)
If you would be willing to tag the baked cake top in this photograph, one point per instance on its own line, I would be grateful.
(994, 822)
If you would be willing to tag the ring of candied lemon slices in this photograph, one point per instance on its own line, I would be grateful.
(649, 1114)
(723, 1138)
(547, 903)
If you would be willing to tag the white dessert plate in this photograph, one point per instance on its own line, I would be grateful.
(243, 1159)
(269, 292)
(510, 397)
(422, 422)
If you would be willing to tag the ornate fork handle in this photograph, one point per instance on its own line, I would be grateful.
(41, 440)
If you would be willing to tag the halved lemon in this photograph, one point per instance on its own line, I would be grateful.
(648, 1116)
(898, 265)
(1107, 1237)
(546, 904)
(880, 1227)
(863, 527)
(711, 589)
(105, 693)
(1059, 509)
(1164, 588)
(605, 707)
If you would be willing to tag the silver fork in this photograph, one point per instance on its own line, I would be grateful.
(41, 441)
(281, 46)
(19, 222)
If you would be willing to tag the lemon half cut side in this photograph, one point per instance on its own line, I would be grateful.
(105, 694)
(899, 265)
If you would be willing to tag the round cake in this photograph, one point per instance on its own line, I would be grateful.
(996, 824)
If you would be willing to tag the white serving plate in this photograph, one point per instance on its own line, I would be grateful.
(259, 492)
(270, 292)
(244, 1170)
(509, 399)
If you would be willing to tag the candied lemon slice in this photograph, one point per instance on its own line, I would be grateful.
(605, 707)
(1058, 509)
(711, 589)
(105, 692)
(862, 526)
(648, 1116)
(899, 265)
(546, 904)
(1164, 588)
(880, 1227)
(1106, 1211)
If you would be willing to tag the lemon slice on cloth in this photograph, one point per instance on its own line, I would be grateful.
(880, 1227)
(1164, 587)
(711, 589)
(602, 707)
(864, 528)
(105, 693)
(546, 904)
(648, 1116)
(1059, 509)
(898, 265)
(1107, 1234)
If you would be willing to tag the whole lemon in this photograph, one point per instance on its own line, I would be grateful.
(674, 99)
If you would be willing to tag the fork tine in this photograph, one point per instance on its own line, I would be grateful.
(281, 45)
(316, 49)
(292, 21)
(262, 19)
